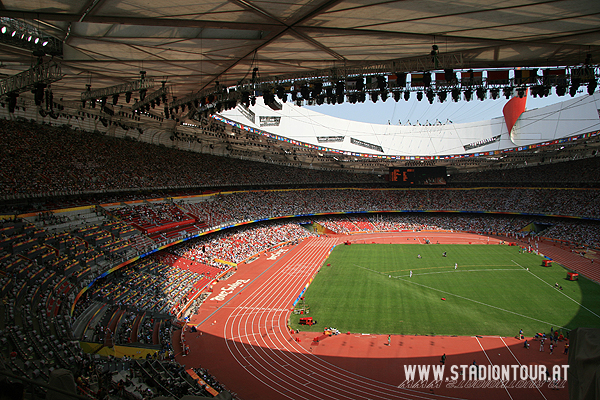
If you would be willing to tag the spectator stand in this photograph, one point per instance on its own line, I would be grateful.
(34, 335)
(330, 227)
(106, 163)
(155, 217)
(33, 279)
(207, 274)
(30, 246)
(65, 219)
(363, 224)
(34, 318)
(250, 238)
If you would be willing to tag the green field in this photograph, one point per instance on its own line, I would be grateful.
(367, 289)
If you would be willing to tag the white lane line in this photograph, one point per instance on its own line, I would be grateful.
(491, 363)
(517, 360)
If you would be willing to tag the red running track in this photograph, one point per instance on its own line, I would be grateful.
(245, 343)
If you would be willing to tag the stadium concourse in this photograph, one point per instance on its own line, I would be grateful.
(107, 250)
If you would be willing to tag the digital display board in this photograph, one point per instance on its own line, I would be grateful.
(418, 176)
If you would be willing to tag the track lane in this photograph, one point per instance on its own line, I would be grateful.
(269, 329)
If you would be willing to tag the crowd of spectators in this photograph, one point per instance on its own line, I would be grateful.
(148, 285)
(456, 222)
(165, 336)
(150, 215)
(151, 285)
(48, 218)
(255, 205)
(125, 328)
(38, 333)
(580, 232)
(240, 243)
(562, 173)
(146, 331)
(40, 159)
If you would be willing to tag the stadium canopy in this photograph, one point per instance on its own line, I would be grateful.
(83, 52)
(194, 44)
(553, 124)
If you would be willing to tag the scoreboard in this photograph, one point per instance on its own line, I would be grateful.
(417, 176)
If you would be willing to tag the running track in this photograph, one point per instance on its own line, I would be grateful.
(245, 342)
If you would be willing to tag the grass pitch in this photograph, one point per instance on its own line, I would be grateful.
(368, 289)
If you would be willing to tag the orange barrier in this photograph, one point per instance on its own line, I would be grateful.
(195, 376)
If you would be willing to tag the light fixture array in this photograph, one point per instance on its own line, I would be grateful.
(439, 84)
(21, 34)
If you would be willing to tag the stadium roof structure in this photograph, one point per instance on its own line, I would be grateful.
(574, 117)
(193, 44)
(178, 51)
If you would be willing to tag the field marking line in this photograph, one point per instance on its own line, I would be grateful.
(449, 266)
(517, 360)
(561, 292)
(440, 272)
(468, 270)
(464, 298)
(263, 309)
(412, 393)
(491, 363)
(247, 285)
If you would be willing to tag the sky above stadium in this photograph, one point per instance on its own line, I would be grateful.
(403, 112)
